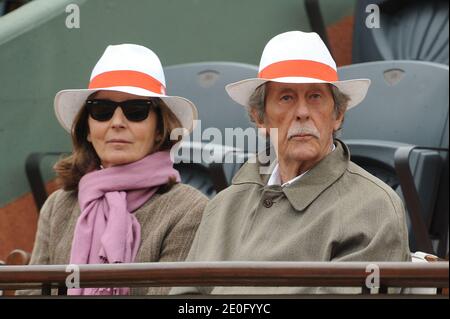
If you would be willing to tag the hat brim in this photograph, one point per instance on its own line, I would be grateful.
(68, 103)
(241, 91)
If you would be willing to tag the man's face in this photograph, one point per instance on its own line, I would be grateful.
(305, 117)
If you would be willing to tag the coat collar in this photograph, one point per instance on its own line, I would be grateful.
(304, 191)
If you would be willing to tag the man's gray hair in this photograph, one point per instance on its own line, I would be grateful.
(257, 102)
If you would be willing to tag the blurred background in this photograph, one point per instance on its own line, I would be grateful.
(40, 55)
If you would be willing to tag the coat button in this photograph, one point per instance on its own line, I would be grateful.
(267, 203)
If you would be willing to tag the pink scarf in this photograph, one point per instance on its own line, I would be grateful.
(107, 231)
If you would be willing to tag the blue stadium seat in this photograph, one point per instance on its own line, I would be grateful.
(406, 109)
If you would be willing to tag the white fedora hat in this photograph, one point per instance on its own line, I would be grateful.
(297, 57)
(128, 68)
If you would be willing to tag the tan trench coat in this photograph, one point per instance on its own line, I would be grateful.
(336, 212)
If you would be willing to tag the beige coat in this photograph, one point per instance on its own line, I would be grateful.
(168, 225)
(336, 212)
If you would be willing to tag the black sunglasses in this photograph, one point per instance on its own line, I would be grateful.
(134, 110)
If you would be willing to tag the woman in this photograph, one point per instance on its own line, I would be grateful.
(122, 200)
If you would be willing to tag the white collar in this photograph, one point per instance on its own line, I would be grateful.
(275, 178)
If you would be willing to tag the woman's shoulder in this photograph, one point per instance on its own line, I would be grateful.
(183, 197)
(63, 195)
(60, 198)
(181, 201)
(186, 191)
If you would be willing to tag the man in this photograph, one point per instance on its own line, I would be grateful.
(315, 205)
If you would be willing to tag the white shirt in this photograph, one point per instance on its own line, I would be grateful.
(275, 178)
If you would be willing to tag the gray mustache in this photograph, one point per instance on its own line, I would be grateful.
(298, 130)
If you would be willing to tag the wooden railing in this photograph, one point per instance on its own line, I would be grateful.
(294, 274)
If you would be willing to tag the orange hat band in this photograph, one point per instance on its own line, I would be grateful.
(299, 68)
(127, 78)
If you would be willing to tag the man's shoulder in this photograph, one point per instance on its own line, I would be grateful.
(231, 192)
(359, 174)
(364, 182)
(230, 196)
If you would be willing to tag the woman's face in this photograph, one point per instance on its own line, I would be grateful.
(119, 141)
